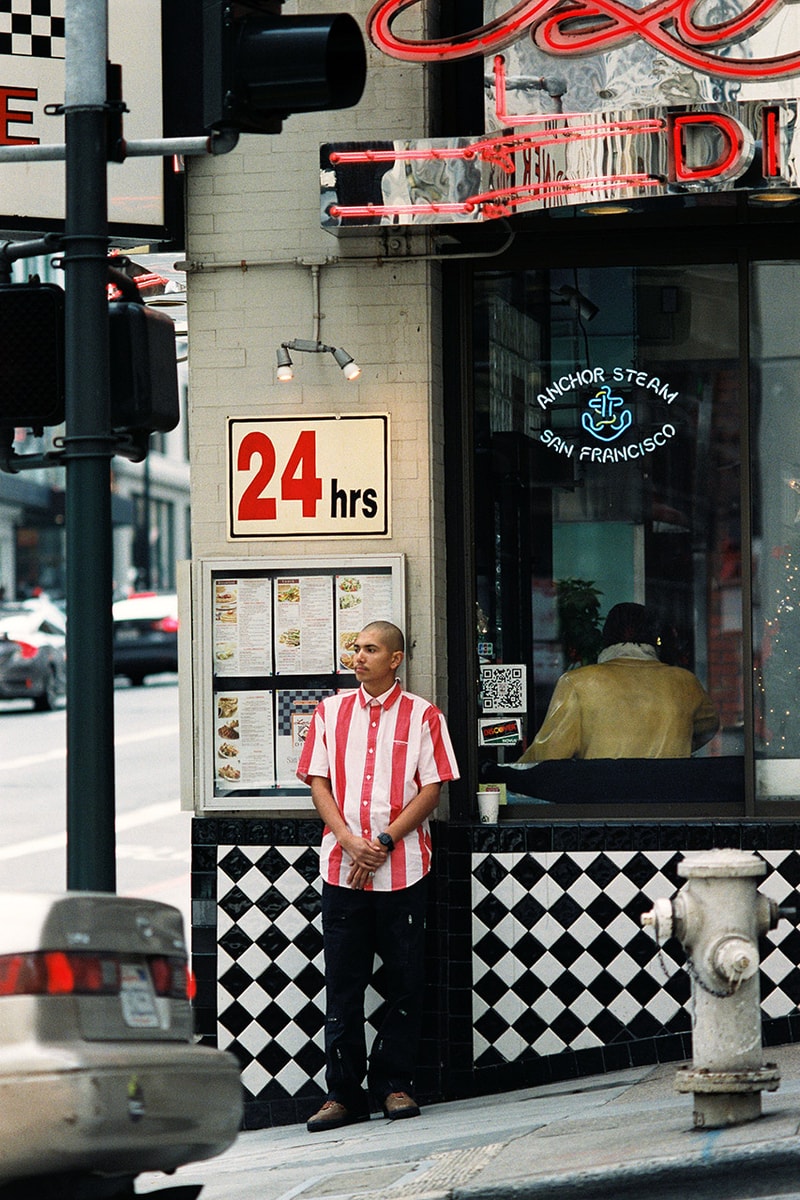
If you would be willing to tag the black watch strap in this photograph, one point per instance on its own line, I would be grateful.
(386, 840)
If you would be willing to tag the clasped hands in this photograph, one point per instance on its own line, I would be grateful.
(367, 856)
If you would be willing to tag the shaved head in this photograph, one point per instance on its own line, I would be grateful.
(390, 635)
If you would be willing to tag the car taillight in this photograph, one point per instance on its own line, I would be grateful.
(58, 973)
(166, 625)
(170, 977)
(26, 650)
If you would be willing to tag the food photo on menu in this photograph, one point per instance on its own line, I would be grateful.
(228, 732)
(244, 739)
(226, 596)
(359, 600)
(288, 591)
(303, 624)
(242, 612)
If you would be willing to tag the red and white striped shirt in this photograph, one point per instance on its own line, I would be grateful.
(378, 753)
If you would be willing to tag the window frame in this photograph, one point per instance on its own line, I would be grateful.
(714, 238)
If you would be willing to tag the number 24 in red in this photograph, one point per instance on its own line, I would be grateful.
(299, 479)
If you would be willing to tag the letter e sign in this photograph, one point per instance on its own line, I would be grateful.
(295, 477)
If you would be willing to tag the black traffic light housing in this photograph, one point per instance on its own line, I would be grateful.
(32, 377)
(240, 66)
(144, 371)
(143, 366)
(259, 66)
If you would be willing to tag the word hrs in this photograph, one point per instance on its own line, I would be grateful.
(345, 501)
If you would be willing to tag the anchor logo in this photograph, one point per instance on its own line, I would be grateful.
(612, 417)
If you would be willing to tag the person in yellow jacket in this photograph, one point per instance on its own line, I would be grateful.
(629, 704)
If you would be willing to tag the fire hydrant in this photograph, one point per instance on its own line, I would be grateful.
(718, 916)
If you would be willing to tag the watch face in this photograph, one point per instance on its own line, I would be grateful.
(385, 839)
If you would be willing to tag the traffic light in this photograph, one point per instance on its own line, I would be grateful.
(247, 67)
(32, 380)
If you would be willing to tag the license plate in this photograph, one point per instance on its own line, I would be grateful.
(126, 635)
(136, 996)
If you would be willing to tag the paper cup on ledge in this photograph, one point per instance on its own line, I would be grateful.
(488, 805)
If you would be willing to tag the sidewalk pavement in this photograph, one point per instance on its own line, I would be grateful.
(626, 1136)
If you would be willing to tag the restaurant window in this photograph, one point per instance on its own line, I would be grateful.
(609, 447)
(775, 425)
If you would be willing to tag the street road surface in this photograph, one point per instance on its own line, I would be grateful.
(153, 835)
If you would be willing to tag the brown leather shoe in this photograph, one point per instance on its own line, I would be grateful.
(399, 1105)
(333, 1115)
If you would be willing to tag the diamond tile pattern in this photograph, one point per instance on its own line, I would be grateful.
(559, 960)
(270, 972)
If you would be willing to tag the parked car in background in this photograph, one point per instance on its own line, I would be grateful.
(145, 635)
(100, 1078)
(33, 652)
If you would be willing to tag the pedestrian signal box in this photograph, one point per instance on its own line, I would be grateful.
(144, 371)
(31, 355)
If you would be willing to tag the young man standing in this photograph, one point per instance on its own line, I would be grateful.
(375, 760)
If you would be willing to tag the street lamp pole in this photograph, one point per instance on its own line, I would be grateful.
(88, 450)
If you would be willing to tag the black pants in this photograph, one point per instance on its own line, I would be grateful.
(356, 925)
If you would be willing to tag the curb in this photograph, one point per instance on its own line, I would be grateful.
(768, 1169)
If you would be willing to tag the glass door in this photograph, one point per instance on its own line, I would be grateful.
(775, 391)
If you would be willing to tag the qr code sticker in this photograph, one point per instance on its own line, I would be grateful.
(503, 689)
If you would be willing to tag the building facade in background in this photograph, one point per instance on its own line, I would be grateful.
(570, 279)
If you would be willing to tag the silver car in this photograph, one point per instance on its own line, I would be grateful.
(100, 1078)
(33, 654)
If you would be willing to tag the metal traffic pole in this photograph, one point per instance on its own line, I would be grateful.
(88, 450)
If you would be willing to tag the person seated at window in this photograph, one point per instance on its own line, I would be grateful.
(627, 705)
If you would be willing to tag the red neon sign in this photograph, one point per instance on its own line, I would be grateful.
(723, 156)
(580, 27)
(736, 147)
(770, 131)
(499, 202)
(500, 150)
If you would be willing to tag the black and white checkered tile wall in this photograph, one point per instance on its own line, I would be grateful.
(270, 968)
(559, 961)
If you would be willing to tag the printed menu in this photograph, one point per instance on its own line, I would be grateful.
(280, 636)
(244, 739)
(359, 600)
(294, 709)
(242, 626)
(303, 625)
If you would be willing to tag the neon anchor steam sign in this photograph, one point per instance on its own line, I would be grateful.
(689, 103)
(607, 416)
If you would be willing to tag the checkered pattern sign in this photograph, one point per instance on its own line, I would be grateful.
(32, 28)
(298, 699)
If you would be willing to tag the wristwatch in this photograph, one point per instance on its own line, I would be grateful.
(386, 840)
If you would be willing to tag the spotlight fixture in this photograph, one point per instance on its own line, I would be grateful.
(774, 193)
(285, 369)
(350, 368)
(606, 208)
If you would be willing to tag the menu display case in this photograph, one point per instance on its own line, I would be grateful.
(270, 638)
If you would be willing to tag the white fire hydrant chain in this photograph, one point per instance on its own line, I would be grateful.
(692, 971)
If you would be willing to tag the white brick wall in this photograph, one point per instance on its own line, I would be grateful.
(259, 206)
